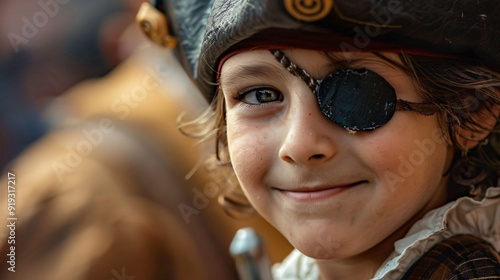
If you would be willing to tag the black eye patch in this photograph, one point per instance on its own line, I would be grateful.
(356, 99)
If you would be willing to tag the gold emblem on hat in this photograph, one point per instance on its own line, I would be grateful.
(308, 10)
(155, 25)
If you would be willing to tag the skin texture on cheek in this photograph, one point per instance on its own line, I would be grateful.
(247, 150)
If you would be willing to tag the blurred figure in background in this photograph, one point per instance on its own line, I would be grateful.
(113, 190)
(48, 46)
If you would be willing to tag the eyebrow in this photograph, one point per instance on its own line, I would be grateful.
(263, 70)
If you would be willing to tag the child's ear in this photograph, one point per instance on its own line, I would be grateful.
(470, 138)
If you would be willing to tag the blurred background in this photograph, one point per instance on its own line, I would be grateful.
(106, 185)
(46, 48)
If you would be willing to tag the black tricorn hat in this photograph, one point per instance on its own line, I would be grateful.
(205, 31)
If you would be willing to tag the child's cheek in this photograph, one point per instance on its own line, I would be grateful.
(407, 158)
(247, 150)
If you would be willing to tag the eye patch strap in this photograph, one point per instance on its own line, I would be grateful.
(425, 109)
(295, 70)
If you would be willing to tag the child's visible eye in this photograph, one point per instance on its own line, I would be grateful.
(260, 95)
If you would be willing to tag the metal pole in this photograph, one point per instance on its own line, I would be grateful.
(248, 250)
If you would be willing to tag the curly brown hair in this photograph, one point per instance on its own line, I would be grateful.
(465, 90)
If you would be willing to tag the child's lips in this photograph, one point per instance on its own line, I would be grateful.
(303, 194)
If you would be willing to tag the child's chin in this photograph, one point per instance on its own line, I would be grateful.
(320, 254)
(321, 249)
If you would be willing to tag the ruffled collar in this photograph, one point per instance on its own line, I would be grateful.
(463, 216)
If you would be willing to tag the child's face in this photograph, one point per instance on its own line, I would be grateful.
(332, 194)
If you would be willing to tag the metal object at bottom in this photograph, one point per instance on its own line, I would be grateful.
(250, 255)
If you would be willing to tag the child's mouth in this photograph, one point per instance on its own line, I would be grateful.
(306, 194)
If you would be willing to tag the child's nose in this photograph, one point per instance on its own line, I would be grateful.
(308, 139)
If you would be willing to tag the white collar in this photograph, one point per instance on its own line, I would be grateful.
(463, 216)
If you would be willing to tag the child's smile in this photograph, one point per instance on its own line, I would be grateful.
(306, 174)
(316, 193)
